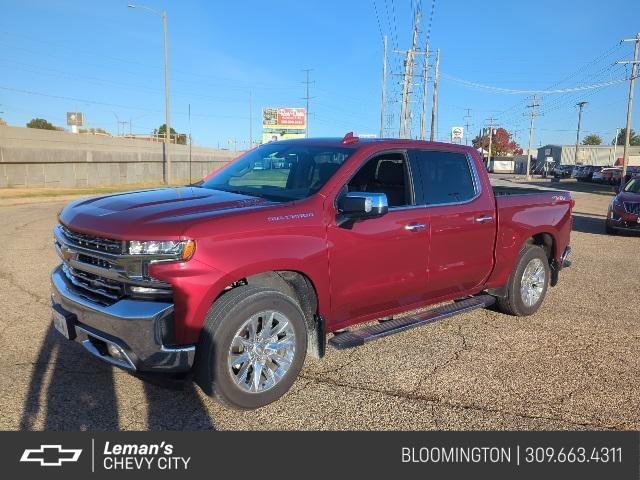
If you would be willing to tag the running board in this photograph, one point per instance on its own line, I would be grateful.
(357, 338)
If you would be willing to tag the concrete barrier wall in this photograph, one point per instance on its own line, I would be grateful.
(44, 158)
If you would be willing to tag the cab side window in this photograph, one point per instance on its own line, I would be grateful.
(386, 173)
(446, 177)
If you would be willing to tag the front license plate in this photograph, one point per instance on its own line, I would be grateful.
(62, 321)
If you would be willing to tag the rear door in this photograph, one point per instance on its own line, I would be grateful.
(462, 221)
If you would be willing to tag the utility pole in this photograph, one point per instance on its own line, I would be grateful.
(425, 79)
(467, 125)
(632, 81)
(250, 122)
(307, 82)
(533, 116)
(167, 137)
(405, 109)
(580, 106)
(405, 95)
(383, 99)
(490, 120)
(434, 106)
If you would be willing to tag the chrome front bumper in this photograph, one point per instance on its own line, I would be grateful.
(131, 329)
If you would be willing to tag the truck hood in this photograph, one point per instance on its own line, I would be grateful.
(628, 197)
(157, 214)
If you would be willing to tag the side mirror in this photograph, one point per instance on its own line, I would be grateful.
(361, 205)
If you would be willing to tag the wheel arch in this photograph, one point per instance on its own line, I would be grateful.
(300, 287)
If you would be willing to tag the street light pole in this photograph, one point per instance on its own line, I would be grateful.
(167, 134)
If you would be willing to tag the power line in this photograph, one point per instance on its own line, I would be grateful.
(511, 91)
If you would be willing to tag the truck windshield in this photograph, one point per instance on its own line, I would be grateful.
(280, 171)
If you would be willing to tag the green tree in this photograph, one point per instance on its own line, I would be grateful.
(634, 139)
(175, 136)
(40, 123)
(592, 139)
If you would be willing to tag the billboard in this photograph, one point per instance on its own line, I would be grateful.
(456, 134)
(284, 118)
(75, 119)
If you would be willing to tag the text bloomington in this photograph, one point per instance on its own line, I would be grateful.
(456, 455)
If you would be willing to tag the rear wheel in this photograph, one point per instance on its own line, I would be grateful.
(252, 347)
(527, 284)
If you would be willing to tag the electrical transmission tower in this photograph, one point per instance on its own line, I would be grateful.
(407, 84)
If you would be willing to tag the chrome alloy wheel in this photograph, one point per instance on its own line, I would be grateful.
(532, 283)
(262, 351)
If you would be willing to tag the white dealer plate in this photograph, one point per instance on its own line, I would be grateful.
(60, 322)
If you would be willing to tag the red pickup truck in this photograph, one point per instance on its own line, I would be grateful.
(239, 277)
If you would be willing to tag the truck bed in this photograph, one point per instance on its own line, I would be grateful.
(501, 191)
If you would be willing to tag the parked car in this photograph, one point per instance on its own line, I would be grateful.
(241, 277)
(597, 176)
(585, 173)
(624, 210)
(611, 175)
(562, 171)
(576, 170)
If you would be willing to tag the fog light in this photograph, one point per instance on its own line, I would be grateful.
(115, 351)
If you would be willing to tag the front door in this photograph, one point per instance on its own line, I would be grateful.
(379, 264)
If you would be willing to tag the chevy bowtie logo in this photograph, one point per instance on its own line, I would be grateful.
(50, 455)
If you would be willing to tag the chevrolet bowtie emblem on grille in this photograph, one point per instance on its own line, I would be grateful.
(50, 455)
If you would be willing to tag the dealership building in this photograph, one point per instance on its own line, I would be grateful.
(605, 155)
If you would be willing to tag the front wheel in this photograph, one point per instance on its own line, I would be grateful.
(252, 347)
(527, 284)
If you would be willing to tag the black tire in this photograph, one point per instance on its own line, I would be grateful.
(513, 303)
(224, 319)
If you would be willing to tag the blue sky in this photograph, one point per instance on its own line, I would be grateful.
(105, 59)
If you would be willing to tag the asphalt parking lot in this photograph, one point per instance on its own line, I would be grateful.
(573, 365)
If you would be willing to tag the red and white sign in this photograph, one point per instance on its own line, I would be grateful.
(291, 117)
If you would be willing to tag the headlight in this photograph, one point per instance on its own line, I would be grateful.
(178, 249)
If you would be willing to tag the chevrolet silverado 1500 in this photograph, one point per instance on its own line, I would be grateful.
(239, 277)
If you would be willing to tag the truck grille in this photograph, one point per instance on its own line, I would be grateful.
(100, 289)
(93, 243)
(632, 207)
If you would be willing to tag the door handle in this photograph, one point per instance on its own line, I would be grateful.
(484, 219)
(414, 227)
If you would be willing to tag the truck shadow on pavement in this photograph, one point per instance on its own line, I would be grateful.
(73, 391)
(593, 224)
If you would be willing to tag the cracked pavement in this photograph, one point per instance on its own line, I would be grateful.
(573, 365)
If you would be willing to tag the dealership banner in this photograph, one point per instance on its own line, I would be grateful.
(495, 455)
(284, 118)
